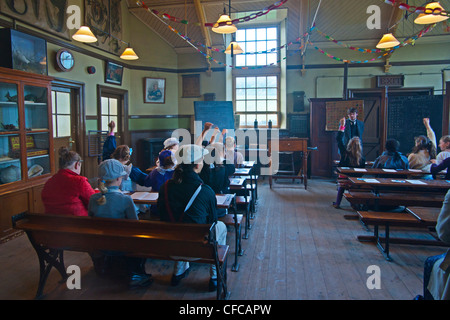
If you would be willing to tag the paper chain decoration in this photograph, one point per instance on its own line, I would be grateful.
(211, 24)
(414, 9)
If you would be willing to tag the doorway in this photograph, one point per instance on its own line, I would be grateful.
(68, 117)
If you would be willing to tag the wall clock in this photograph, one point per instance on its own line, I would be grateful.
(65, 60)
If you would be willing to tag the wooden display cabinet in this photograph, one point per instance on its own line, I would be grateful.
(26, 143)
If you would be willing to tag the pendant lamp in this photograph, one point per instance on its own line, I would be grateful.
(84, 34)
(129, 54)
(234, 48)
(224, 25)
(431, 14)
(387, 41)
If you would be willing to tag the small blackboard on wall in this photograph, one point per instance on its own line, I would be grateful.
(220, 113)
(405, 118)
(299, 125)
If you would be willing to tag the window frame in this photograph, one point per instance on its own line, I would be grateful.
(255, 71)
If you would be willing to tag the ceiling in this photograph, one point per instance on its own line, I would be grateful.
(343, 20)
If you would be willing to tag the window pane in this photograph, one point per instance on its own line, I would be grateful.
(240, 82)
(271, 105)
(262, 120)
(240, 60)
(251, 105)
(261, 93)
(251, 60)
(240, 35)
(105, 122)
(250, 47)
(251, 93)
(271, 58)
(250, 119)
(242, 121)
(272, 33)
(113, 106)
(272, 82)
(261, 105)
(271, 93)
(63, 125)
(250, 35)
(240, 94)
(261, 46)
(261, 34)
(261, 59)
(54, 126)
(63, 102)
(105, 105)
(271, 45)
(251, 82)
(53, 102)
(240, 106)
(274, 119)
(261, 82)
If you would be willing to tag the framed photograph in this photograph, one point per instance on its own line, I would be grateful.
(113, 73)
(154, 90)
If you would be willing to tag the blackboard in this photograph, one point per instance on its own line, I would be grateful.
(220, 113)
(405, 118)
(298, 125)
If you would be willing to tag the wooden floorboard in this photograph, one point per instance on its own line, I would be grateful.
(299, 248)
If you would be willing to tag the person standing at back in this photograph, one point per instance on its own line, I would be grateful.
(353, 126)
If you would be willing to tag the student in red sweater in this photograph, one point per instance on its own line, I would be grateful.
(67, 192)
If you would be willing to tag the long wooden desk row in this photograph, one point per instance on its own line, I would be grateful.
(425, 195)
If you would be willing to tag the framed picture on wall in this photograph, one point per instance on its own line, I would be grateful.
(154, 90)
(113, 73)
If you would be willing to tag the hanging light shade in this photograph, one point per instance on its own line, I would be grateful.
(84, 34)
(236, 48)
(430, 18)
(387, 41)
(226, 27)
(129, 54)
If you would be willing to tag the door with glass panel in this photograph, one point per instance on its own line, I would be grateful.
(111, 110)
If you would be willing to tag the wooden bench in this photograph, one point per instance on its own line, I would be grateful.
(368, 198)
(400, 219)
(245, 202)
(50, 235)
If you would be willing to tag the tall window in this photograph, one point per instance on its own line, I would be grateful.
(256, 88)
(109, 112)
(61, 113)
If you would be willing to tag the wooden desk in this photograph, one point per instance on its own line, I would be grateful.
(416, 184)
(379, 172)
(293, 145)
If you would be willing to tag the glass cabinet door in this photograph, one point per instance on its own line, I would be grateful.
(38, 159)
(36, 108)
(10, 168)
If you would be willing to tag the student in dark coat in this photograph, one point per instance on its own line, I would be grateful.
(185, 198)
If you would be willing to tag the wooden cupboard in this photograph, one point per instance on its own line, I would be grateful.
(26, 143)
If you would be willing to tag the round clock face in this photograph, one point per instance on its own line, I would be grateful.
(65, 60)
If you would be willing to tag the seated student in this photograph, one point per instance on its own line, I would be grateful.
(216, 172)
(351, 156)
(163, 172)
(122, 154)
(444, 145)
(391, 158)
(171, 144)
(436, 278)
(232, 154)
(423, 151)
(67, 192)
(443, 166)
(185, 198)
(112, 203)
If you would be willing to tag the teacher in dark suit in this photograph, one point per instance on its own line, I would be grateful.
(353, 126)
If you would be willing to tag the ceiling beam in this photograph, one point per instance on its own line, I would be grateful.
(205, 31)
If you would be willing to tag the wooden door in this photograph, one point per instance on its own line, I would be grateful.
(68, 118)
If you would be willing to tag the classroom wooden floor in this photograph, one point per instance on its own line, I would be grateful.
(299, 248)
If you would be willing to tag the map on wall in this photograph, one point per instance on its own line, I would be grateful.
(105, 19)
(47, 15)
(337, 110)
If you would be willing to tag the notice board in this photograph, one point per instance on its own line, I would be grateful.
(405, 118)
(336, 110)
(220, 113)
